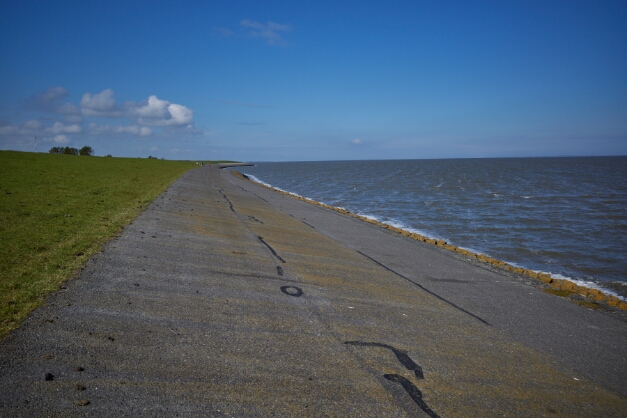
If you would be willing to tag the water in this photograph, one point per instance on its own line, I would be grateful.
(565, 216)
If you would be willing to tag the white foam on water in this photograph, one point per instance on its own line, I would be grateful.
(256, 180)
(472, 250)
(400, 225)
(372, 218)
(584, 283)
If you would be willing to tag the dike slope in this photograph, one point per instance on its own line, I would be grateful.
(227, 299)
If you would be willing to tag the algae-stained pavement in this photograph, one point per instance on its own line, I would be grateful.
(216, 302)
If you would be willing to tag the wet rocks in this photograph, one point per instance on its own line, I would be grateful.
(595, 295)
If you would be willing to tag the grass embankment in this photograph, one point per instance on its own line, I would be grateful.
(581, 295)
(58, 210)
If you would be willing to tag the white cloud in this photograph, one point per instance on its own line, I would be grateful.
(31, 125)
(153, 108)
(356, 141)
(28, 128)
(126, 129)
(73, 119)
(61, 139)
(47, 100)
(98, 129)
(53, 93)
(8, 130)
(101, 104)
(68, 109)
(73, 122)
(268, 32)
(143, 131)
(180, 114)
(157, 112)
(59, 128)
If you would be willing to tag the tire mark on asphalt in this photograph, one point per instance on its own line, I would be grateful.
(292, 291)
(311, 226)
(227, 199)
(413, 392)
(401, 355)
(271, 249)
(409, 364)
(427, 290)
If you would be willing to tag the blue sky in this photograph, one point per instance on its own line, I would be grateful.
(337, 80)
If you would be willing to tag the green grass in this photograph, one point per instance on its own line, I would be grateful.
(58, 210)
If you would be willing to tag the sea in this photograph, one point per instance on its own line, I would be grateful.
(564, 216)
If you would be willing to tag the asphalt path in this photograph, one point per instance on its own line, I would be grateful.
(227, 299)
(591, 342)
